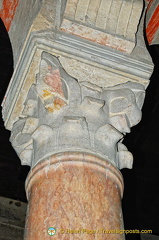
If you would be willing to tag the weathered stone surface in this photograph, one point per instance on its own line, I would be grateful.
(118, 19)
(7, 11)
(96, 36)
(62, 114)
(96, 63)
(10, 232)
(152, 23)
(145, 236)
(70, 103)
(12, 212)
(23, 19)
(98, 66)
(12, 219)
(53, 94)
(48, 15)
(0, 4)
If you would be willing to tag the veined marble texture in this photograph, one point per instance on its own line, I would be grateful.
(74, 191)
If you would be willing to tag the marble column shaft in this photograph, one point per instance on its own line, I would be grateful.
(79, 194)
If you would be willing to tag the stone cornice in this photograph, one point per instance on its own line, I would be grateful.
(111, 60)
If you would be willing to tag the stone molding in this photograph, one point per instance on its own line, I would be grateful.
(122, 67)
(63, 159)
(116, 20)
(44, 34)
(105, 22)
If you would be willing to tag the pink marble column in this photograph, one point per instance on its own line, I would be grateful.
(78, 194)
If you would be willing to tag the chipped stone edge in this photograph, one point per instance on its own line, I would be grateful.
(73, 46)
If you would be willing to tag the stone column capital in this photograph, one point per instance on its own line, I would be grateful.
(61, 114)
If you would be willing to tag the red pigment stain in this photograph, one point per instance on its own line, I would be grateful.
(153, 25)
(90, 35)
(149, 4)
(53, 79)
(8, 11)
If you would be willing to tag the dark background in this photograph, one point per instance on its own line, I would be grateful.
(141, 198)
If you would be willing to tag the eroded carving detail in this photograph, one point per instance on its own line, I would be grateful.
(107, 15)
(61, 114)
(105, 22)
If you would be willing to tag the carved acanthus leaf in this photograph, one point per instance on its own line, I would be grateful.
(87, 119)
